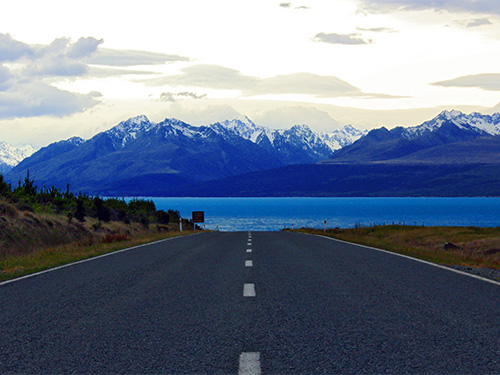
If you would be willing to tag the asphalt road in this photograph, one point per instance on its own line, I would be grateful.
(314, 306)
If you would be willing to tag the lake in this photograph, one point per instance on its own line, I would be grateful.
(271, 214)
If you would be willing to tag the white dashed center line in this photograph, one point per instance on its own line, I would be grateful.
(249, 250)
(248, 263)
(249, 364)
(249, 290)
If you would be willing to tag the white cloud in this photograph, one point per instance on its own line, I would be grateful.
(287, 116)
(28, 74)
(111, 57)
(487, 81)
(222, 78)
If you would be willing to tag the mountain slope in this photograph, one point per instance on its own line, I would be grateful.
(11, 156)
(451, 134)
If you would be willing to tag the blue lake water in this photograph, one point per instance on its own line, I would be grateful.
(259, 214)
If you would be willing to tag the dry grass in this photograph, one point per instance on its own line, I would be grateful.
(34, 242)
(476, 247)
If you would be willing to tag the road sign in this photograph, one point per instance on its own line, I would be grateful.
(198, 216)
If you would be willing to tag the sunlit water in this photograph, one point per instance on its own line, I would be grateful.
(259, 214)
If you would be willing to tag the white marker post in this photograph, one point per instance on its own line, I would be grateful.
(180, 224)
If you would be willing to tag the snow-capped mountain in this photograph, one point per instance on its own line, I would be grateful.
(299, 135)
(450, 137)
(11, 156)
(140, 156)
(342, 137)
(476, 122)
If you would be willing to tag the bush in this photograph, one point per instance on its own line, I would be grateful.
(8, 210)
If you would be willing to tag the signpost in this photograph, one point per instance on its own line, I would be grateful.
(198, 217)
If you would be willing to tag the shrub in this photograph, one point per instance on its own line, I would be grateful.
(8, 210)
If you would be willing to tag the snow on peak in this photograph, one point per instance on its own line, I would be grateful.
(342, 137)
(474, 121)
(12, 156)
(128, 129)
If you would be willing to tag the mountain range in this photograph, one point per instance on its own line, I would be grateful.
(140, 157)
(454, 154)
(11, 156)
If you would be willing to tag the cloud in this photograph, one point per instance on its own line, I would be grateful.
(455, 6)
(27, 73)
(285, 5)
(209, 76)
(111, 57)
(11, 50)
(378, 29)
(347, 39)
(222, 78)
(285, 117)
(478, 22)
(39, 99)
(172, 96)
(489, 82)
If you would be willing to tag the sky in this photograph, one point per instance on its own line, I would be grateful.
(76, 68)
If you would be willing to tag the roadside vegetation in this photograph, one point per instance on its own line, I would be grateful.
(44, 227)
(450, 246)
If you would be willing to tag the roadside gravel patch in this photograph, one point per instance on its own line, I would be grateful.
(488, 273)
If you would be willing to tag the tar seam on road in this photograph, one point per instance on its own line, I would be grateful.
(249, 364)
(416, 259)
(88, 260)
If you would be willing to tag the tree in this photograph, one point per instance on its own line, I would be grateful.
(79, 211)
(102, 212)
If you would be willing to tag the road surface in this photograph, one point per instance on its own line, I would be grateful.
(263, 302)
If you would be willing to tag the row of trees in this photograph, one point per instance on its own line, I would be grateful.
(27, 196)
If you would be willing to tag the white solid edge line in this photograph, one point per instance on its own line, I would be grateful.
(89, 260)
(415, 259)
(249, 364)
(249, 290)
(248, 263)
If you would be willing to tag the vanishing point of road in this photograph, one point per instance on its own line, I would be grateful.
(250, 303)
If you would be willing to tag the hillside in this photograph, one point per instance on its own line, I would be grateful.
(355, 180)
(139, 157)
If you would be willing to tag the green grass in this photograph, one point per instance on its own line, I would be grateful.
(476, 247)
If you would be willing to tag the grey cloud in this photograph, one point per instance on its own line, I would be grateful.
(26, 92)
(348, 39)
(487, 81)
(172, 97)
(5, 78)
(285, 5)
(111, 57)
(302, 7)
(11, 50)
(458, 6)
(478, 22)
(218, 77)
(39, 99)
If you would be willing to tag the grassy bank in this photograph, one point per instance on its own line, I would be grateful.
(474, 247)
(31, 242)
